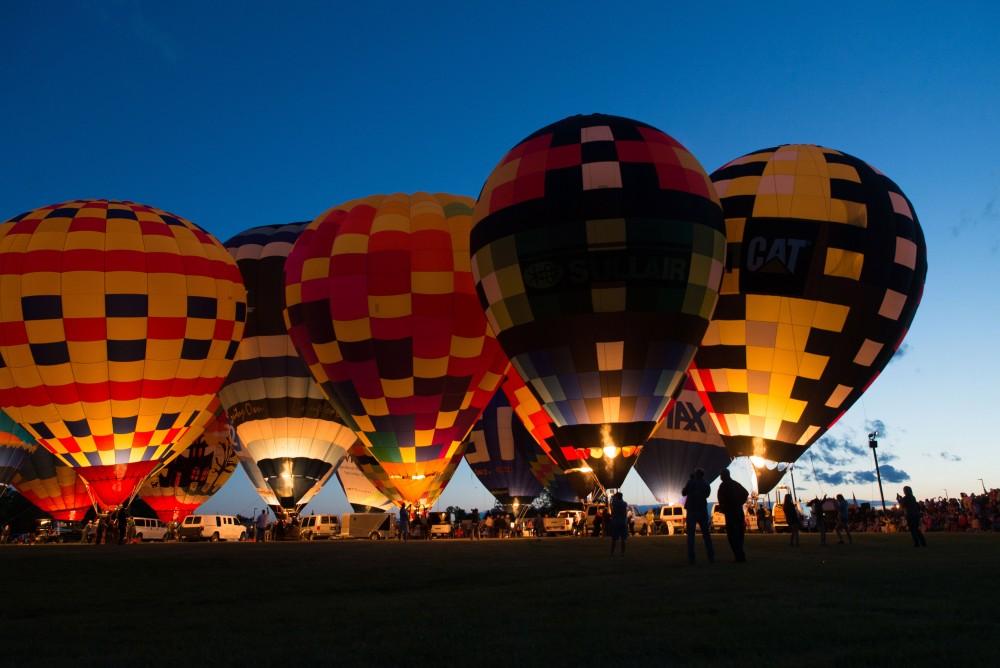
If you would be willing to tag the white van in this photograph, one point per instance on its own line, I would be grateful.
(317, 527)
(672, 519)
(212, 527)
(149, 528)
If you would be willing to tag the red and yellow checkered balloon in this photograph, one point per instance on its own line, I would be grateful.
(382, 308)
(118, 324)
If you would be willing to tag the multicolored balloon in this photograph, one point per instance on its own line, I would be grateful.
(382, 308)
(685, 441)
(285, 424)
(118, 324)
(197, 472)
(500, 451)
(53, 487)
(825, 270)
(15, 445)
(598, 246)
(362, 493)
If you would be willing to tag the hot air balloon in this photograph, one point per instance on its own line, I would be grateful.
(686, 440)
(499, 453)
(381, 306)
(363, 495)
(118, 324)
(598, 246)
(285, 424)
(575, 485)
(52, 486)
(256, 478)
(15, 445)
(825, 270)
(197, 472)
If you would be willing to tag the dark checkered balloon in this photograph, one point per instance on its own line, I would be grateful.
(598, 248)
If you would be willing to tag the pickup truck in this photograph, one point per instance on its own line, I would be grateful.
(563, 523)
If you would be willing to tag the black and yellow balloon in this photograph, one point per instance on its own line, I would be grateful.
(291, 438)
(824, 272)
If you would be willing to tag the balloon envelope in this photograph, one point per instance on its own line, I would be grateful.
(195, 474)
(381, 306)
(686, 440)
(825, 270)
(52, 486)
(597, 248)
(500, 451)
(15, 445)
(118, 324)
(285, 424)
(361, 492)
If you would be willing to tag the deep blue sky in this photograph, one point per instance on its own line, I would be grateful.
(242, 114)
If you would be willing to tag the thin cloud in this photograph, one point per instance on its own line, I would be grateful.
(950, 457)
(900, 353)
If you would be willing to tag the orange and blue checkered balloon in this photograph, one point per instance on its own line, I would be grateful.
(825, 271)
(597, 247)
(118, 323)
(382, 308)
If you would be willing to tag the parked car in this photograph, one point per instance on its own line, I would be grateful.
(318, 527)
(212, 527)
(149, 528)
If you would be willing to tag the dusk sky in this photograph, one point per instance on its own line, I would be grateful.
(239, 114)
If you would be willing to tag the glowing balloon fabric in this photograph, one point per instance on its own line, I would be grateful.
(285, 424)
(195, 474)
(363, 495)
(597, 248)
(118, 323)
(500, 451)
(825, 270)
(52, 486)
(15, 445)
(382, 307)
(686, 440)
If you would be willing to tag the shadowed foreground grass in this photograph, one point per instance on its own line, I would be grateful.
(503, 603)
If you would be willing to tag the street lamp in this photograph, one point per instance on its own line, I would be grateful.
(984, 486)
(873, 444)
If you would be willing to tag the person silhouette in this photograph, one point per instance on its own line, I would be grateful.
(696, 494)
(732, 495)
(911, 507)
(842, 517)
(619, 522)
(792, 519)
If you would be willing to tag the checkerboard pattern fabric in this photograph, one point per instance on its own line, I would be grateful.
(598, 247)
(382, 308)
(52, 487)
(825, 269)
(284, 422)
(376, 477)
(15, 445)
(118, 324)
(194, 474)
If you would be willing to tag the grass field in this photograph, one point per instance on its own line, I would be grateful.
(503, 603)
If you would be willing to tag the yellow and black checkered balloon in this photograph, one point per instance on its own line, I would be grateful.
(118, 323)
(825, 268)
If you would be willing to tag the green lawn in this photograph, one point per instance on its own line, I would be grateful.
(557, 601)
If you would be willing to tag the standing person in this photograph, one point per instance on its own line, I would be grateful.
(404, 524)
(122, 523)
(650, 522)
(817, 510)
(475, 524)
(911, 507)
(792, 519)
(732, 496)
(696, 504)
(619, 522)
(261, 525)
(842, 517)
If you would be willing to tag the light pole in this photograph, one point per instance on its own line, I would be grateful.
(873, 444)
(984, 486)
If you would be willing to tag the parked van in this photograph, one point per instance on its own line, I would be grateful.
(671, 520)
(212, 527)
(149, 528)
(318, 527)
